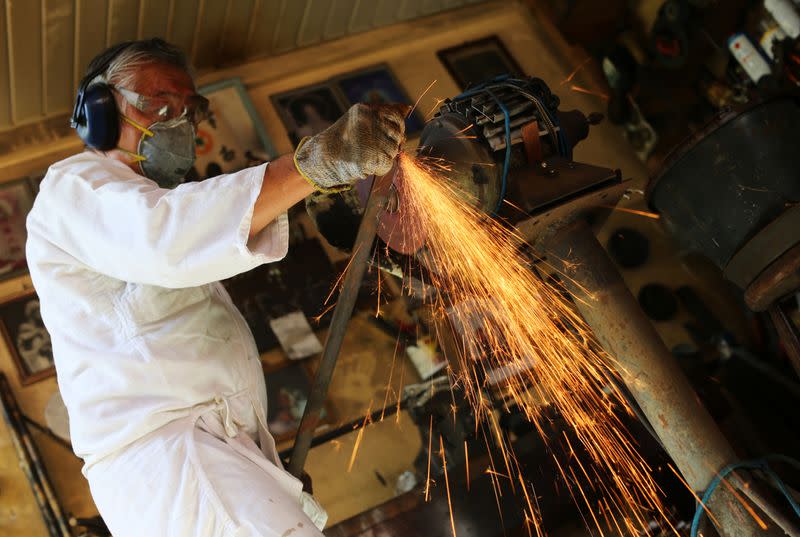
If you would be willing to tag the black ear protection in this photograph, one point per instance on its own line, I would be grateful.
(95, 116)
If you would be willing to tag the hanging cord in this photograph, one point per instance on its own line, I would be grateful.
(754, 464)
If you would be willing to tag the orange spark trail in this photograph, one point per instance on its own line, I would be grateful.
(420, 98)
(341, 276)
(581, 89)
(696, 497)
(447, 485)
(391, 374)
(358, 438)
(465, 129)
(428, 478)
(654, 216)
(510, 323)
(575, 72)
(466, 458)
(741, 500)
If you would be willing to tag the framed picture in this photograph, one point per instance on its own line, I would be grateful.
(377, 85)
(287, 393)
(233, 137)
(309, 110)
(27, 338)
(16, 199)
(478, 61)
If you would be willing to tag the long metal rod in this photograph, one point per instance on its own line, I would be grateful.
(362, 249)
(687, 431)
(787, 334)
(31, 463)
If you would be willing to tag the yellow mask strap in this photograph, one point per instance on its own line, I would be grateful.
(136, 157)
(145, 130)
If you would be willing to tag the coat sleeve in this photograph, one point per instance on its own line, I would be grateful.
(124, 226)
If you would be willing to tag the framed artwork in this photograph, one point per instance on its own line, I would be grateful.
(287, 393)
(233, 137)
(27, 338)
(309, 110)
(276, 289)
(377, 85)
(478, 61)
(16, 199)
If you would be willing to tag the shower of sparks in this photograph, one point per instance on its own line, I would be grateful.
(505, 319)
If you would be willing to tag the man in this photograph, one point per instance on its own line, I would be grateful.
(158, 370)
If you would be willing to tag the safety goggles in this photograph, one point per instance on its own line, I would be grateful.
(167, 106)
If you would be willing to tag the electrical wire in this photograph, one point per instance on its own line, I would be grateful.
(507, 160)
(548, 118)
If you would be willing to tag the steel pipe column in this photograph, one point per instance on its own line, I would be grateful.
(685, 428)
(362, 250)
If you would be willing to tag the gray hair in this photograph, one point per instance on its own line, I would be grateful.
(127, 58)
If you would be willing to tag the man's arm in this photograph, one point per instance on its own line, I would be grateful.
(362, 142)
(283, 186)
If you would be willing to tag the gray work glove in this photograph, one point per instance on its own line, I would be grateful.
(363, 142)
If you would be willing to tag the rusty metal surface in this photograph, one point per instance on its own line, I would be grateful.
(732, 179)
(555, 182)
(765, 248)
(648, 369)
(725, 115)
(592, 204)
(778, 280)
(362, 250)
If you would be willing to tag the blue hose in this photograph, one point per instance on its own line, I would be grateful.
(755, 464)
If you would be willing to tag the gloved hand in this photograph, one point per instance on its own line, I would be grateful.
(363, 142)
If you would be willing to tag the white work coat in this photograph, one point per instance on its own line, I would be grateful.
(143, 334)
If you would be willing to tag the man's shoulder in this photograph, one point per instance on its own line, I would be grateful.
(86, 169)
(87, 162)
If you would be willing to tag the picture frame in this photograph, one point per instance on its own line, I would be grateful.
(477, 61)
(309, 110)
(26, 338)
(233, 137)
(16, 200)
(376, 85)
(288, 389)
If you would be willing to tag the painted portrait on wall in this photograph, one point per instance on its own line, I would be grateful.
(16, 199)
(233, 137)
(26, 338)
(377, 85)
(479, 61)
(308, 111)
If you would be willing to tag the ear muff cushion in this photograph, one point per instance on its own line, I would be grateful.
(98, 120)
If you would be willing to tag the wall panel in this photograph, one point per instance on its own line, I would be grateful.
(25, 59)
(90, 36)
(59, 43)
(5, 76)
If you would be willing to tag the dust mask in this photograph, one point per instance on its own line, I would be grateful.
(166, 150)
